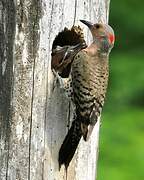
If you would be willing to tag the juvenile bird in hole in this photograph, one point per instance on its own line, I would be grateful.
(89, 79)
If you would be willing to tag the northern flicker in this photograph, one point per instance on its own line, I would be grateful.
(89, 73)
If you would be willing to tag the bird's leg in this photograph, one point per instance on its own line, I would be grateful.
(57, 79)
(64, 83)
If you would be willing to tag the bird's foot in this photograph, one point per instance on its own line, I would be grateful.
(57, 80)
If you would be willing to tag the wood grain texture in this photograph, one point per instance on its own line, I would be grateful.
(34, 114)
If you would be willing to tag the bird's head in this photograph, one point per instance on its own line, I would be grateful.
(103, 35)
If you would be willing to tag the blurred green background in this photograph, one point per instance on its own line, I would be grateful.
(121, 155)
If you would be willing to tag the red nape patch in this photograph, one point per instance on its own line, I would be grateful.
(111, 38)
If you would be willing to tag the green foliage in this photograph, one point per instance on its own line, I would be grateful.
(126, 17)
(122, 131)
(121, 154)
(126, 85)
(121, 148)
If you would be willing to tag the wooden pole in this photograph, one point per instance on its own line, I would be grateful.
(33, 115)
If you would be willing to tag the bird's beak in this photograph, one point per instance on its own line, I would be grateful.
(87, 23)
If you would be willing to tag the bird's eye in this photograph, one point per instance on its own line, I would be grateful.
(97, 26)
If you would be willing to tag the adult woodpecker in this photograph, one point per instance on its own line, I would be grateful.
(89, 73)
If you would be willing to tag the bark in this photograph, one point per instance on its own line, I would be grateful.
(33, 114)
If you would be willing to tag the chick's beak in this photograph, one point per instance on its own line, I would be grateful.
(87, 23)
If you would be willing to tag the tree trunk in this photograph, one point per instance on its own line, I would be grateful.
(33, 114)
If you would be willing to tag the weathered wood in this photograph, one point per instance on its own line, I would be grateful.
(7, 31)
(33, 114)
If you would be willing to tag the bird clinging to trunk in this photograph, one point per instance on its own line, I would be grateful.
(89, 75)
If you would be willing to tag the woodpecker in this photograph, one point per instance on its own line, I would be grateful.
(89, 74)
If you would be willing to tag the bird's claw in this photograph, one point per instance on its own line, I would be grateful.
(57, 80)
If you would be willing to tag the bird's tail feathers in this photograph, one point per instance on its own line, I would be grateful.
(70, 144)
